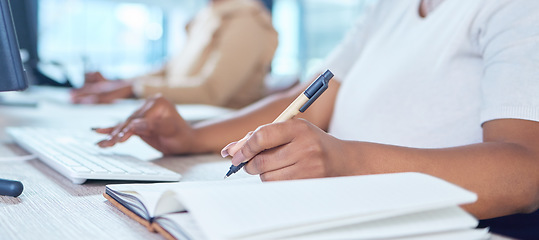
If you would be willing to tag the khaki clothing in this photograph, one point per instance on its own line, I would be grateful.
(224, 62)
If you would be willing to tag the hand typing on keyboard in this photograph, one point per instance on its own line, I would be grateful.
(159, 124)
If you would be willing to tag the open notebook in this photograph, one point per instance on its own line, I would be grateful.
(384, 206)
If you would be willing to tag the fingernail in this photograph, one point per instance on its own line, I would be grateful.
(101, 143)
(224, 152)
(238, 158)
(94, 128)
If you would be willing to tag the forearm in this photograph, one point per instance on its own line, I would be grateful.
(213, 135)
(178, 94)
(498, 172)
(210, 90)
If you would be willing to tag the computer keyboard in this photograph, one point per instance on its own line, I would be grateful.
(75, 155)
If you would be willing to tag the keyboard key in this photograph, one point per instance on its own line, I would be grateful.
(67, 161)
(81, 169)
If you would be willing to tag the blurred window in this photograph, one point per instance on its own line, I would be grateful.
(124, 38)
(309, 30)
(121, 38)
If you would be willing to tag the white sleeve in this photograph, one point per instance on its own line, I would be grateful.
(509, 42)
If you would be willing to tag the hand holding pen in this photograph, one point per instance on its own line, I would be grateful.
(300, 104)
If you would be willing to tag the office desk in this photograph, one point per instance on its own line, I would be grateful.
(51, 206)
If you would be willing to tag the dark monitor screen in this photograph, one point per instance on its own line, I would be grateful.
(12, 75)
(24, 13)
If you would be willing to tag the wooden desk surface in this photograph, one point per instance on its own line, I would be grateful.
(52, 207)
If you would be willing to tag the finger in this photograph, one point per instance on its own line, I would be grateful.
(112, 140)
(75, 100)
(93, 77)
(123, 136)
(224, 151)
(114, 136)
(142, 110)
(74, 92)
(114, 132)
(84, 90)
(103, 130)
(140, 127)
(86, 99)
(270, 160)
(286, 163)
(77, 97)
(104, 98)
(139, 114)
(291, 172)
(233, 147)
(106, 143)
(265, 137)
(236, 147)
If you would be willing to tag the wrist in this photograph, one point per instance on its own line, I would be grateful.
(354, 159)
(123, 89)
(200, 142)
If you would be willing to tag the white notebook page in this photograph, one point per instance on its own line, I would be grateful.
(159, 198)
(296, 207)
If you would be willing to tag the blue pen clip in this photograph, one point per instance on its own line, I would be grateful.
(316, 89)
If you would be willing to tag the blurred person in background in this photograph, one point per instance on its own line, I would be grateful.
(227, 55)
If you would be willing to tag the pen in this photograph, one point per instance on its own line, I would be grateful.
(302, 102)
(10, 188)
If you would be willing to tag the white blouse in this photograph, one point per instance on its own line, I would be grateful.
(431, 82)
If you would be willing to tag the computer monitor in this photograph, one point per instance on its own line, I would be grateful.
(25, 19)
(12, 74)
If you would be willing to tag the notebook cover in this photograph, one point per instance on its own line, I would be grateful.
(129, 213)
(157, 228)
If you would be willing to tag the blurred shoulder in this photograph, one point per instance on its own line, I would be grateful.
(244, 10)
